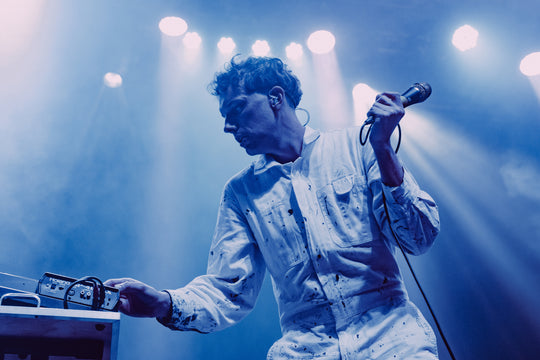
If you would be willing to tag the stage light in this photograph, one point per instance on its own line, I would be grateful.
(21, 24)
(226, 45)
(260, 48)
(294, 51)
(465, 38)
(333, 97)
(112, 80)
(530, 64)
(321, 42)
(363, 99)
(173, 26)
(364, 93)
(192, 40)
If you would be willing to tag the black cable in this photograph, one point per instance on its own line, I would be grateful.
(416, 280)
(363, 140)
(98, 290)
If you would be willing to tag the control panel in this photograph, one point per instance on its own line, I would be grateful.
(82, 292)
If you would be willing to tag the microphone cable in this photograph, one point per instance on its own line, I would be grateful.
(363, 140)
(439, 328)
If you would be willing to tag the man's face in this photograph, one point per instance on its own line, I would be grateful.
(250, 119)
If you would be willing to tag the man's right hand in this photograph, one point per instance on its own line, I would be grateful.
(140, 300)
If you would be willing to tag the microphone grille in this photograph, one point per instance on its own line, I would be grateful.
(424, 88)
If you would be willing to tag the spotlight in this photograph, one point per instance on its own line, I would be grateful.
(112, 80)
(260, 48)
(363, 98)
(465, 38)
(192, 40)
(173, 26)
(321, 42)
(294, 51)
(364, 93)
(530, 64)
(226, 45)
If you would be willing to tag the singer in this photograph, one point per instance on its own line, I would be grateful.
(318, 211)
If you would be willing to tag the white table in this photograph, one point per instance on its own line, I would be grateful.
(50, 334)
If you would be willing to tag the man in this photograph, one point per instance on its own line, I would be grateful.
(314, 209)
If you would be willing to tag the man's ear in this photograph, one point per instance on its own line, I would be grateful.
(276, 97)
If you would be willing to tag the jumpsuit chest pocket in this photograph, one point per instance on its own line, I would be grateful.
(344, 205)
(282, 244)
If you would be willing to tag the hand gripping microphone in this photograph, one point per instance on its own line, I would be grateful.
(414, 95)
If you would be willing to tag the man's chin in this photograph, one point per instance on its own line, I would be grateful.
(251, 151)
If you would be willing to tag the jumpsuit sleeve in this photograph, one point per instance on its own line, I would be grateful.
(235, 272)
(412, 213)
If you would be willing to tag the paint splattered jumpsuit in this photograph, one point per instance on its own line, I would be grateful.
(319, 226)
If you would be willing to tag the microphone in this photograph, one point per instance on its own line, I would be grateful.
(417, 93)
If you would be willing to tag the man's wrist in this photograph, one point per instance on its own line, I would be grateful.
(390, 168)
(381, 146)
(164, 305)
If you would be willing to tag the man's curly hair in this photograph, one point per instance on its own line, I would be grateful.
(257, 75)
